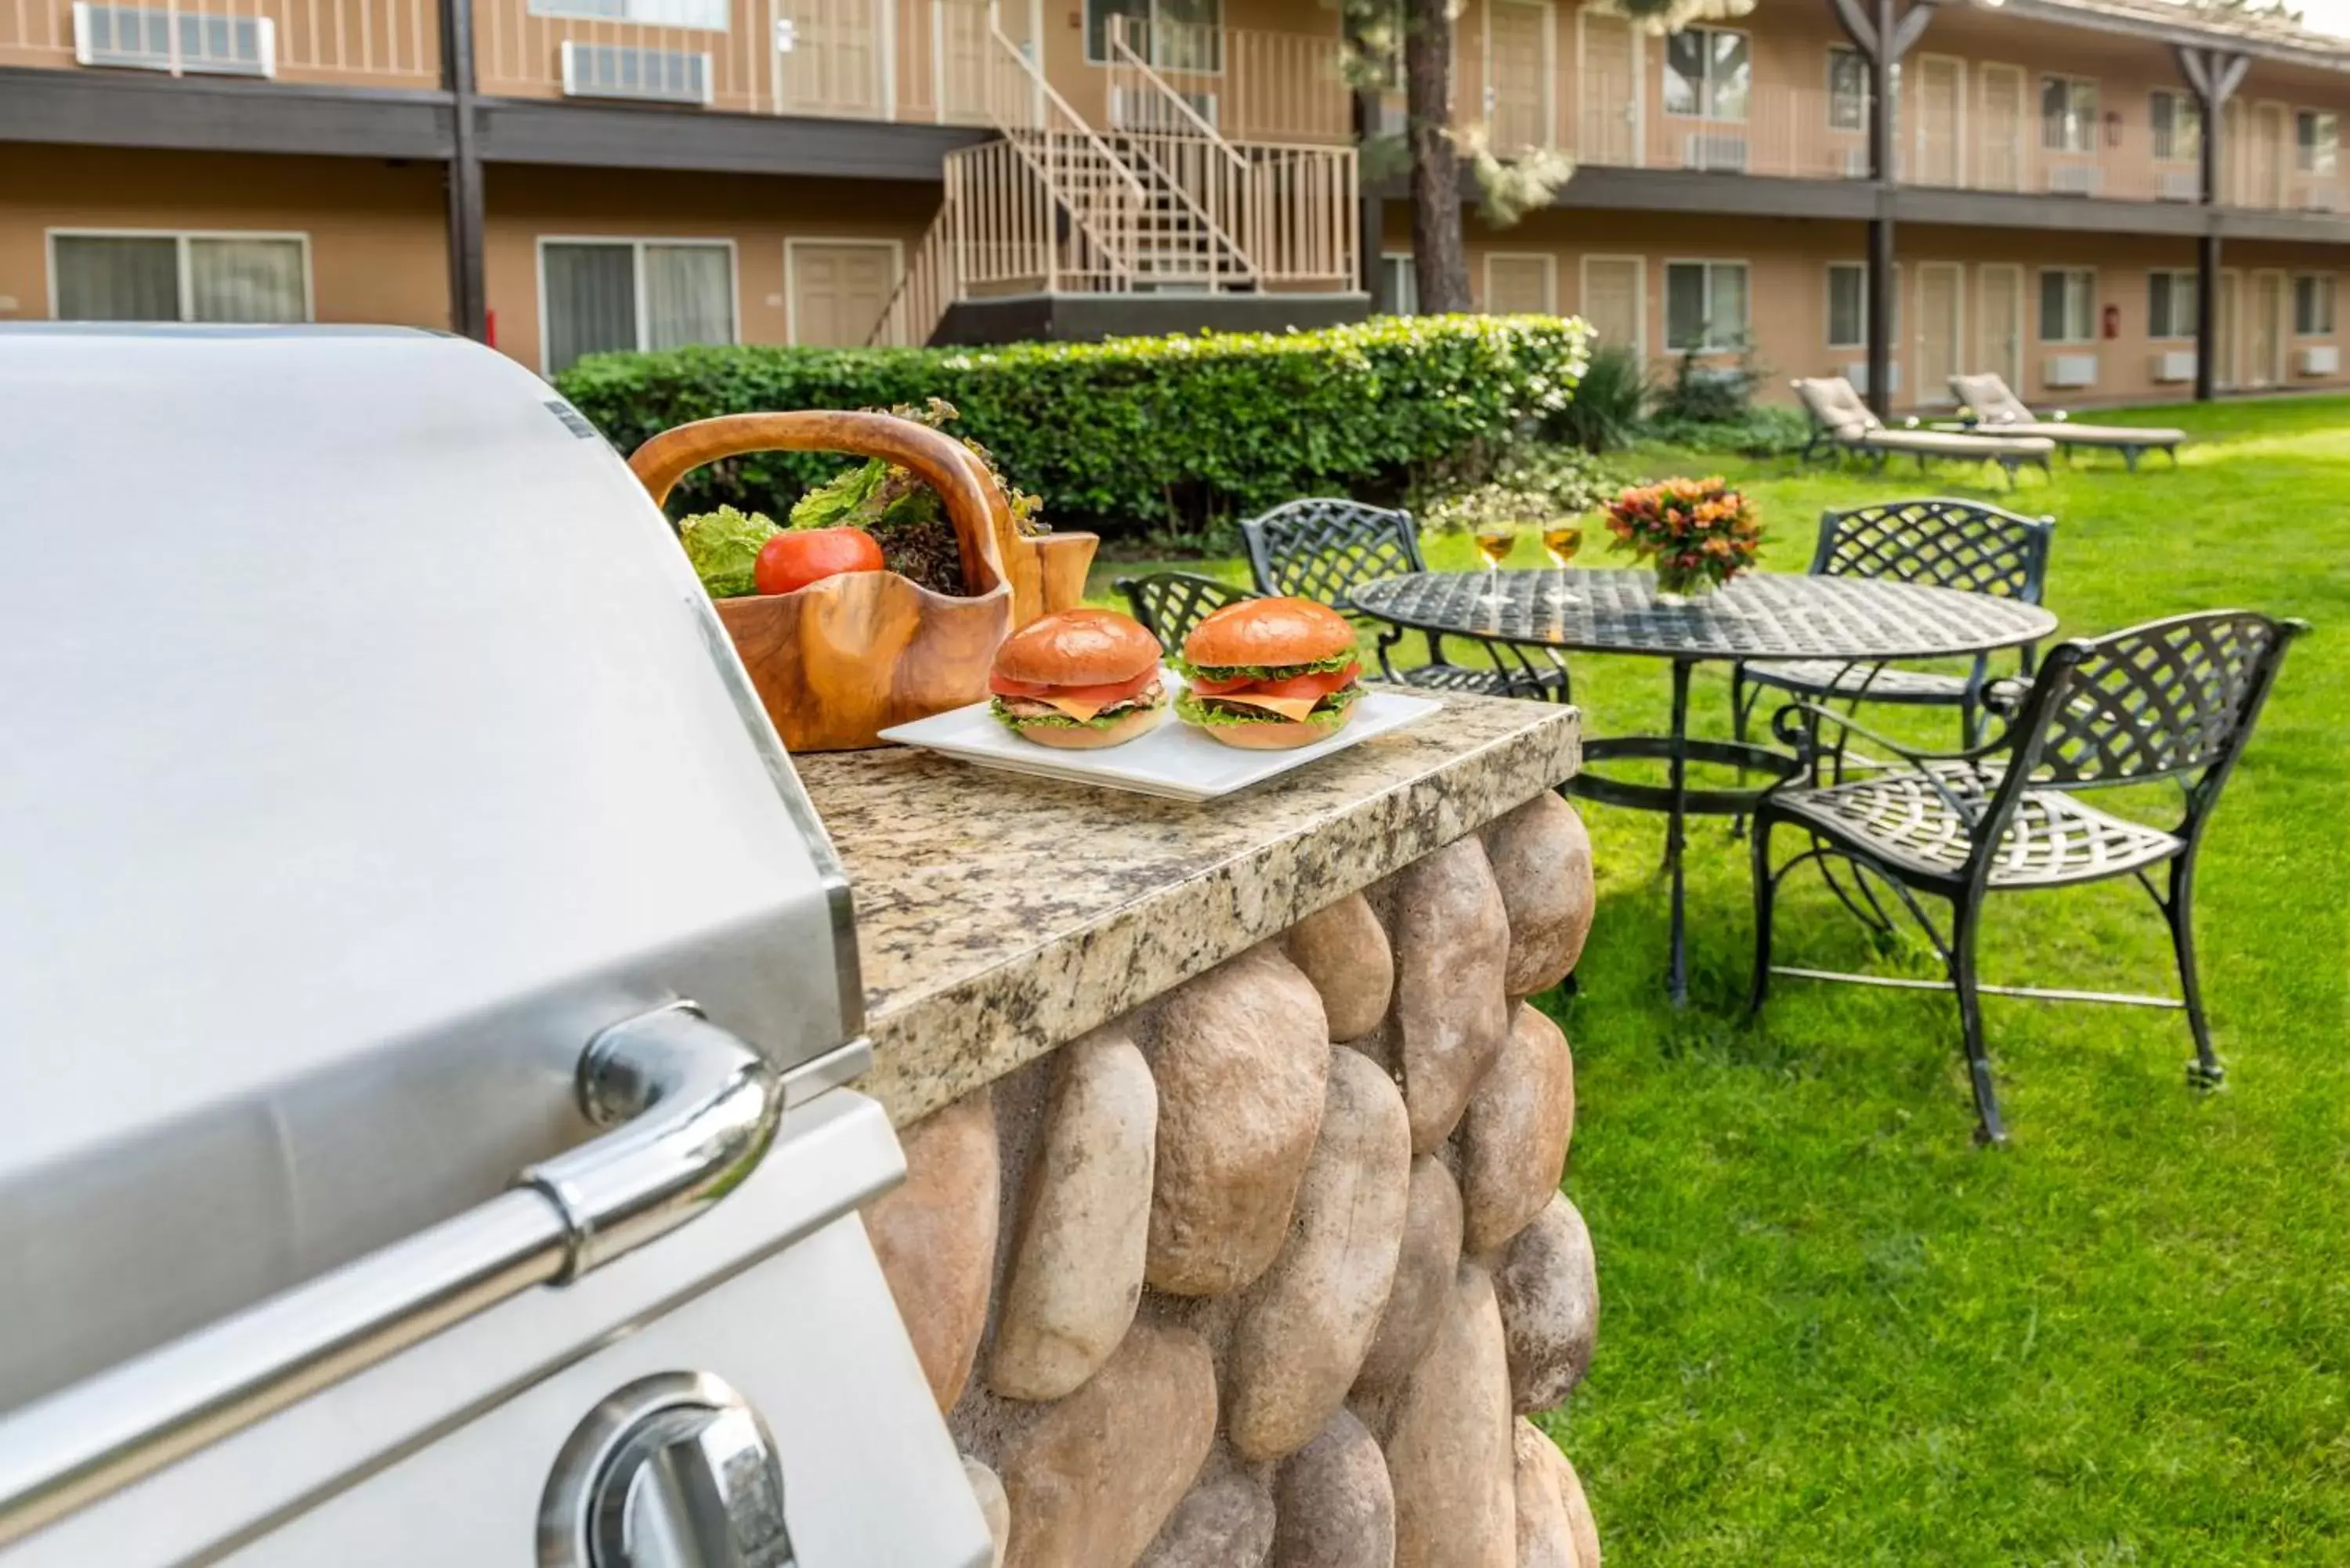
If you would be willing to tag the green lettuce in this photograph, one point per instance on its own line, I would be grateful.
(1329, 666)
(1101, 721)
(1327, 713)
(723, 546)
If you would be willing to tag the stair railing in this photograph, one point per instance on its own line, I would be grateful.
(1191, 161)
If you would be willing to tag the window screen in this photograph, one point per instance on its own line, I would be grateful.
(111, 277)
(1847, 305)
(591, 301)
(246, 280)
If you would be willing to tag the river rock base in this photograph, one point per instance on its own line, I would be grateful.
(1237, 1311)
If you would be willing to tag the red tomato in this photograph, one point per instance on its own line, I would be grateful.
(798, 556)
(1112, 692)
(1295, 686)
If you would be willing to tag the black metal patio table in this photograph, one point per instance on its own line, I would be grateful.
(1763, 615)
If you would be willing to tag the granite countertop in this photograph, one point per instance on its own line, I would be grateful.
(999, 915)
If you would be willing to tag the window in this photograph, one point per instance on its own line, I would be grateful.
(181, 277)
(2170, 305)
(709, 15)
(1401, 283)
(2314, 141)
(2312, 305)
(603, 295)
(1707, 74)
(1847, 305)
(2177, 127)
(1177, 34)
(2068, 114)
(2068, 305)
(1847, 89)
(1705, 306)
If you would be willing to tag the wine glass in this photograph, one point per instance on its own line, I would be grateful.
(1494, 542)
(1561, 538)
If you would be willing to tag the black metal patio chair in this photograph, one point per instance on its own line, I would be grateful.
(2172, 700)
(1946, 544)
(1321, 548)
(1169, 603)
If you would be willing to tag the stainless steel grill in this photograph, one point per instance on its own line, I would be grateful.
(427, 994)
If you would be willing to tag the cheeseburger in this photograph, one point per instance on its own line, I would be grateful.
(1268, 674)
(1079, 678)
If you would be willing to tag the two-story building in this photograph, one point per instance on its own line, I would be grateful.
(561, 176)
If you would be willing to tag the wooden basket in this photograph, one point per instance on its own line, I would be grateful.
(838, 661)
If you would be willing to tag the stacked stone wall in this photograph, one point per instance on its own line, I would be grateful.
(1269, 1272)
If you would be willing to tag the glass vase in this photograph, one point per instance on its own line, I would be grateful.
(1676, 585)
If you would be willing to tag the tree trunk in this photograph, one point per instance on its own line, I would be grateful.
(1440, 266)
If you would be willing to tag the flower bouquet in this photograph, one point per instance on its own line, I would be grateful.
(1699, 532)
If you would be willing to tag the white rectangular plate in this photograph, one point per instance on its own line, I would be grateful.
(1174, 761)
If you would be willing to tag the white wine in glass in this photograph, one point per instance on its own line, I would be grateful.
(1494, 542)
(1560, 541)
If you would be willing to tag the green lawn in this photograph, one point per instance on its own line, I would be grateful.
(1835, 1332)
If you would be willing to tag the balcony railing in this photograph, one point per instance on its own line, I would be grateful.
(1251, 85)
(370, 43)
(1789, 132)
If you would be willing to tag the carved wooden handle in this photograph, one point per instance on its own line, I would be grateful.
(975, 502)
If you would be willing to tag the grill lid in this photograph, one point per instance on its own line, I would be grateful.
(370, 747)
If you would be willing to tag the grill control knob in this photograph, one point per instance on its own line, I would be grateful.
(674, 1472)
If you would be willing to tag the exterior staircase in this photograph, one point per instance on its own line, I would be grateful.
(1053, 209)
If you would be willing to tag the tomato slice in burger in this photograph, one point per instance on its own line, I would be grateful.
(1316, 685)
(1115, 690)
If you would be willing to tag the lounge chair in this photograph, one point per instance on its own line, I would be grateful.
(1998, 409)
(1841, 422)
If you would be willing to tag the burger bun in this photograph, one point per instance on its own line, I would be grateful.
(1094, 737)
(1274, 734)
(1271, 632)
(1077, 647)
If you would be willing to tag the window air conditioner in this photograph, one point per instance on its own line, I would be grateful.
(618, 70)
(2073, 179)
(2321, 359)
(1856, 163)
(2325, 198)
(2179, 185)
(1723, 152)
(141, 38)
(2069, 371)
(2173, 365)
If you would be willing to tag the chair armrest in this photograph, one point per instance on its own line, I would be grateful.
(1795, 723)
(2005, 697)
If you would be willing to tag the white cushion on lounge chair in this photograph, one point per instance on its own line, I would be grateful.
(1996, 405)
(1839, 409)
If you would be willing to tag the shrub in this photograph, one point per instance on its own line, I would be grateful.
(1534, 484)
(1609, 402)
(1135, 433)
(1766, 430)
(1700, 393)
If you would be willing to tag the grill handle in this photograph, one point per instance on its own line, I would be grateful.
(691, 1110)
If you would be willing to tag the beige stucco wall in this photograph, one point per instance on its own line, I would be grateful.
(1788, 259)
(757, 212)
(376, 229)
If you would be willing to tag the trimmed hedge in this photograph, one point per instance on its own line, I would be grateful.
(1135, 433)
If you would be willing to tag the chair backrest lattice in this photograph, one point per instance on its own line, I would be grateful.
(2169, 698)
(1169, 603)
(1321, 548)
(1946, 544)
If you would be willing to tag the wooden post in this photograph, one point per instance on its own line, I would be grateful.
(469, 305)
(2214, 75)
(1370, 211)
(1880, 226)
(1882, 39)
